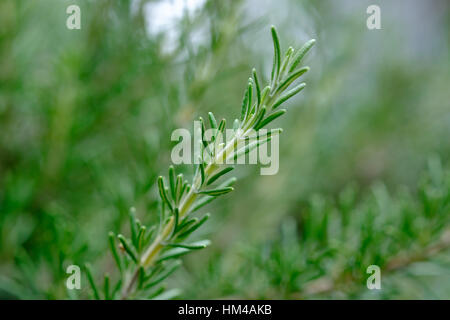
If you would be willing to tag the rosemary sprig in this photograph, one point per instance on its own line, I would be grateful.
(151, 255)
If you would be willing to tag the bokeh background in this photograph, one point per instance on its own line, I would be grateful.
(86, 117)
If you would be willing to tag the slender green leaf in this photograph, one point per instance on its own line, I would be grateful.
(202, 202)
(249, 98)
(116, 288)
(212, 120)
(300, 54)
(219, 174)
(185, 223)
(141, 238)
(91, 281)
(244, 150)
(216, 192)
(271, 118)
(132, 217)
(106, 287)
(265, 94)
(294, 76)
(128, 249)
(173, 253)
(176, 214)
(276, 57)
(202, 172)
(194, 227)
(168, 271)
(288, 95)
(172, 181)
(193, 246)
(258, 90)
(263, 135)
(163, 193)
(244, 104)
(113, 248)
(141, 276)
(286, 61)
(222, 125)
(260, 116)
(178, 188)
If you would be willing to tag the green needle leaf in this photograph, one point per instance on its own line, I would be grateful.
(249, 148)
(106, 287)
(286, 60)
(271, 118)
(222, 125)
(195, 226)
(163, 193)
(170, 269)
(193, 246)
(112, 246)
(291, 79)
(249, 98)
(132, 216)
(217, 192)
(172, 181)
(261, 136)
(301, 53)
(261, 115)
(276, 57)
(176, 214)
(179, 188)
(173, 253)
(91, 281)
(288, 95)
(127, 247)
(141, 238)
(258, 90)
(265, 94)
(141, 277)
(219, 174)
(212, 120)
(202, 171)
(244, 104)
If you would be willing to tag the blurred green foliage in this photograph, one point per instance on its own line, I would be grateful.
(85, 123)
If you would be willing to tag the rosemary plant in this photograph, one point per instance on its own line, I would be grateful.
(151, 254)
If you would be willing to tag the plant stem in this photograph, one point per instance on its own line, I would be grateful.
(153, 250)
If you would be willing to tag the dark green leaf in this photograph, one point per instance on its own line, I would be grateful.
(92, 282)
(260, 116)
(218, 175)
(106, 287)
(288, 95)
(286, 83)
(163, 193)
(258, 90)
(161, 277)
(301, 53)
(216, 192)
(276, 57)
(222, 125)
(271, 118)
(194, 227)
(132, 216)
(112, 246)
(128, 249)
(212, 120)
(172, 181)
